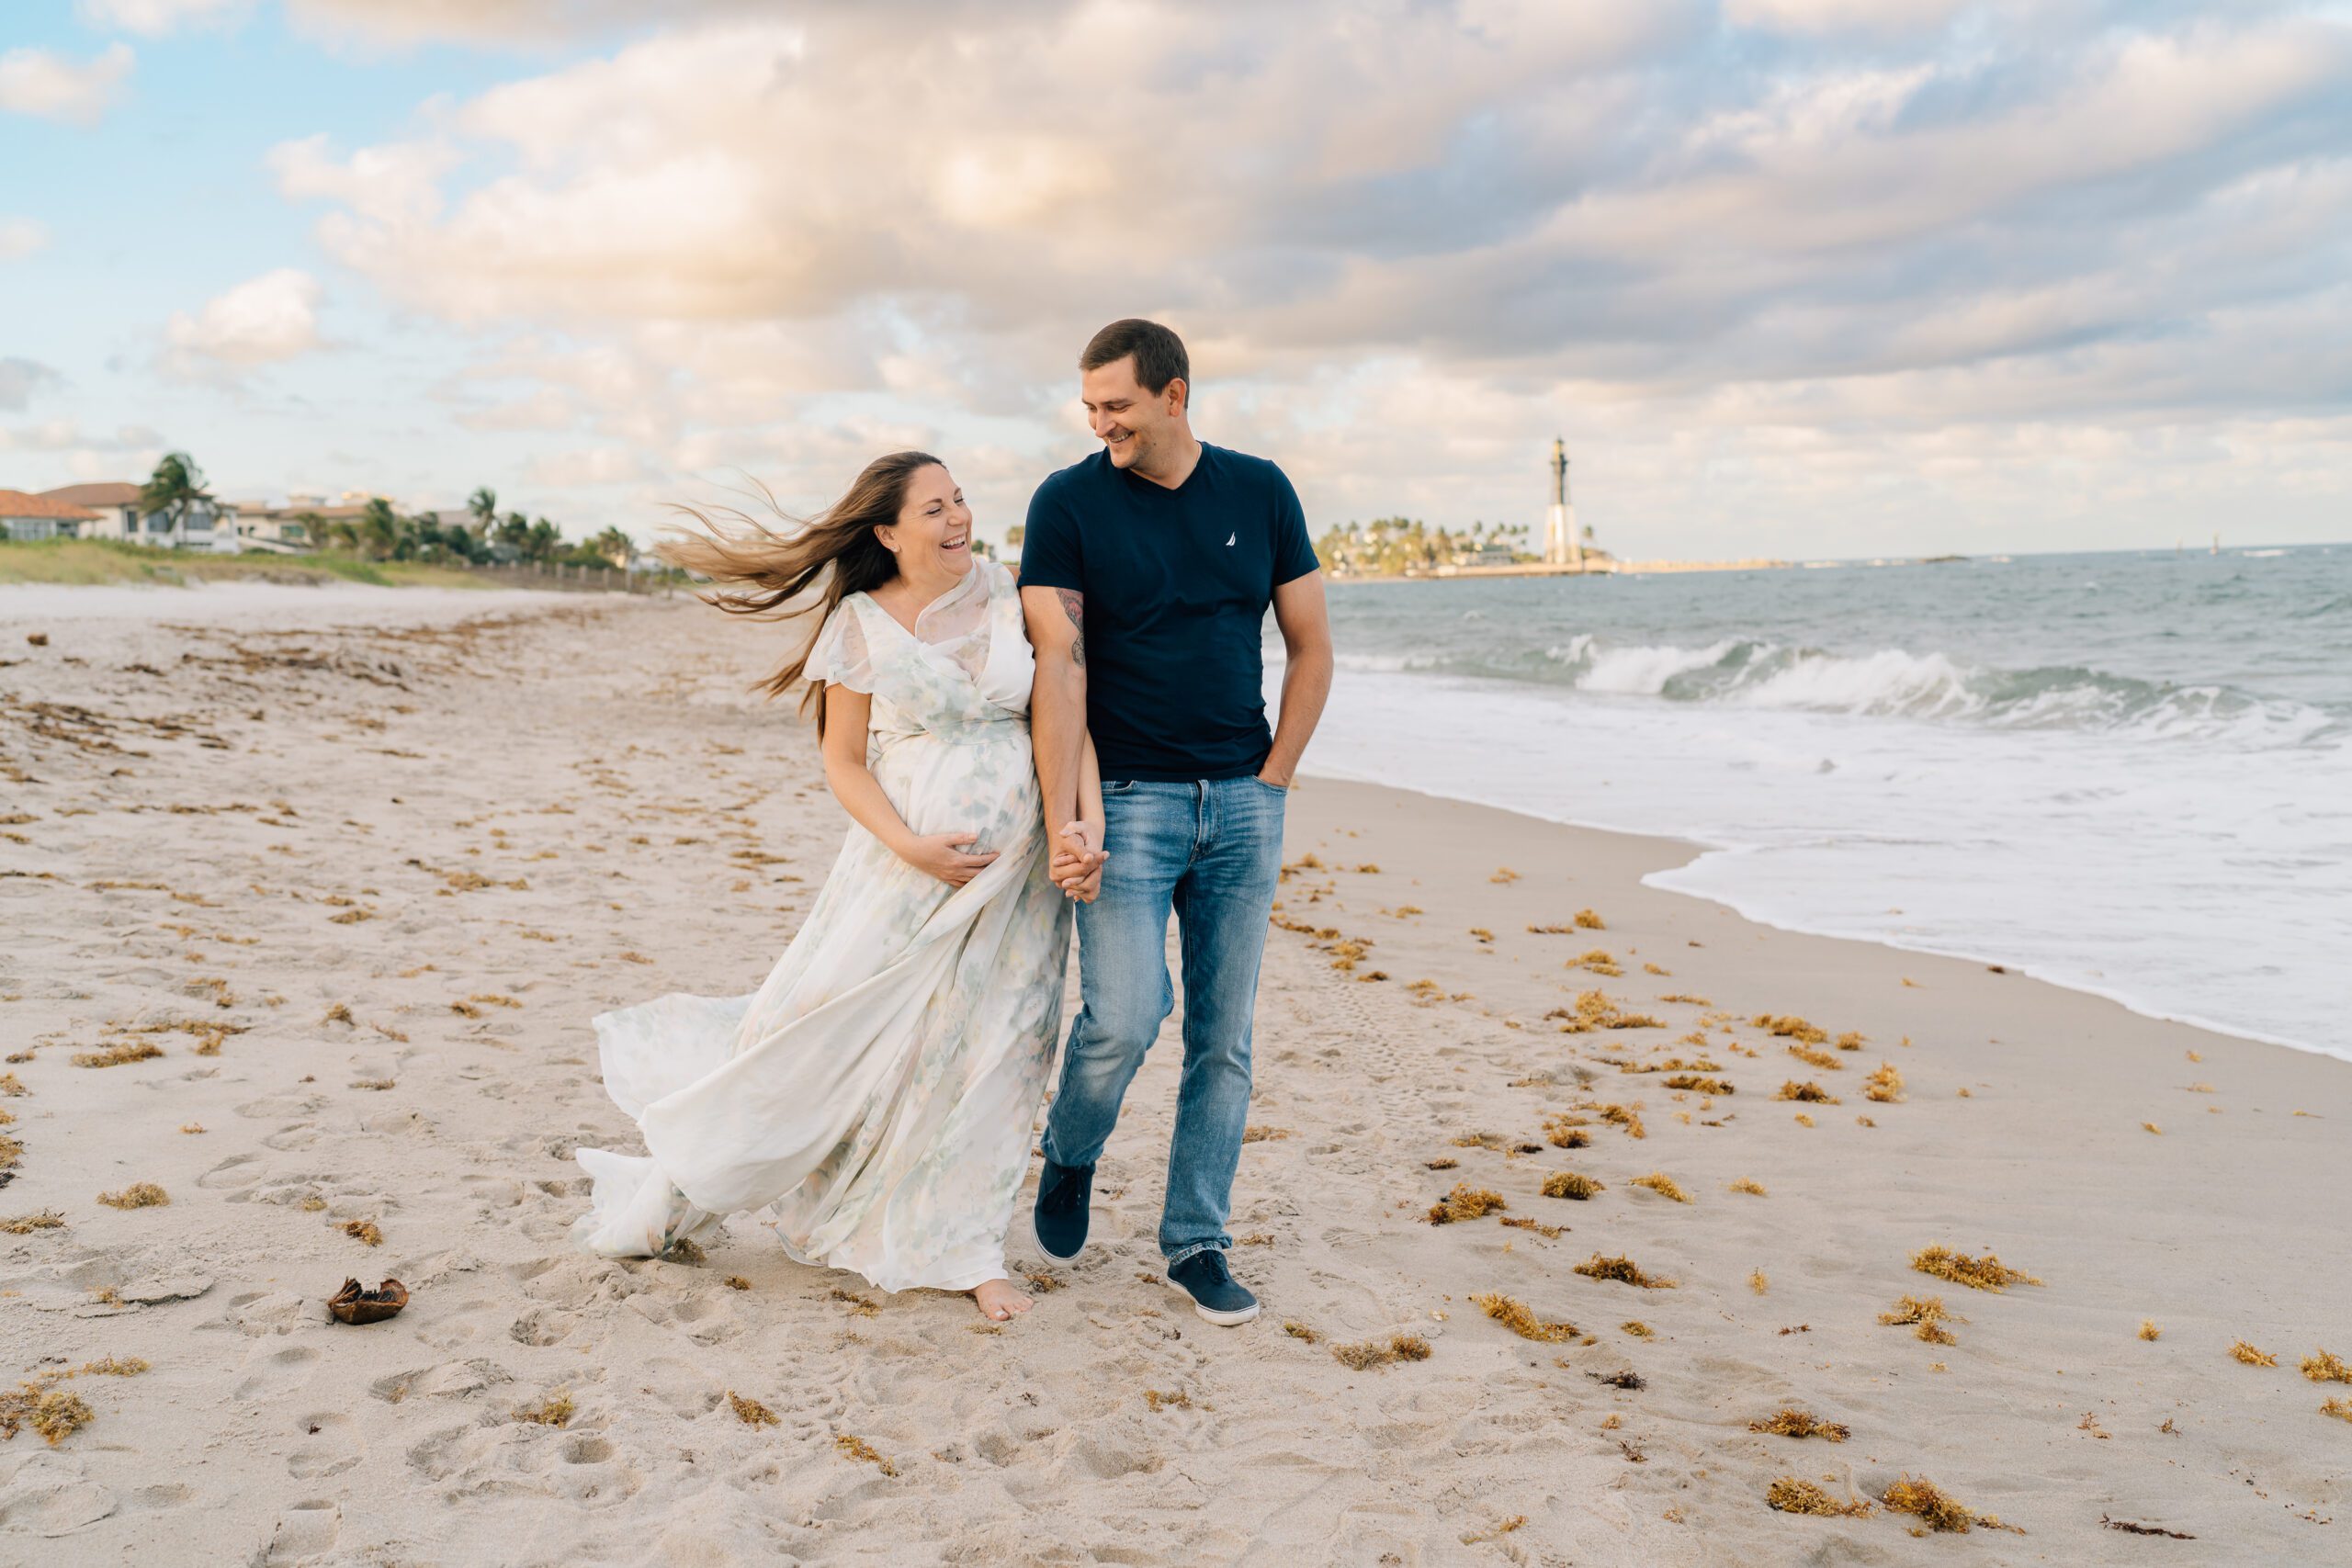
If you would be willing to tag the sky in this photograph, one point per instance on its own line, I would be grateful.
(1794, 279)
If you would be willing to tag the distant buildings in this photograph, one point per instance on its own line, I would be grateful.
(116, 515)
(25, 517)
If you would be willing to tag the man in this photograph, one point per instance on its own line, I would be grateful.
(1146, 572)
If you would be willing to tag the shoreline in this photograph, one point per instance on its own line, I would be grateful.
(1701, 849)
(399, 859)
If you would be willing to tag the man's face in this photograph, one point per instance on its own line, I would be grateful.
(1131, 424)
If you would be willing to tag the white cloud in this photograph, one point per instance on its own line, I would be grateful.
(399, 183)
(1817, 17)
(49, 87)
(1406, 241)
(20, 379)
(21, 237)
(154, 19)
(264, 319)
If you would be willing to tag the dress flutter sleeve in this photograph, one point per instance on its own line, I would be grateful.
(839, 656)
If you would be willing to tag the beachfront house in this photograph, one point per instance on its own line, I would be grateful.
(25, 517)
(207, 526)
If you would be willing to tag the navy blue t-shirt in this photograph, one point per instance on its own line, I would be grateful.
(1177, 583)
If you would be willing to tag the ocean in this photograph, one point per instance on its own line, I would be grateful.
(2127, 774)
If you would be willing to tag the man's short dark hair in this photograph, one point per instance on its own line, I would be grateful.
(1158, 354)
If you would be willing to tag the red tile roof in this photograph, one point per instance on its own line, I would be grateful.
(17, 503)
(108, 494)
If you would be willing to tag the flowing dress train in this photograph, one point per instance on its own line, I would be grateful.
(874, 1099)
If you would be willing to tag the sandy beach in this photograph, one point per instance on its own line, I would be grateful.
(308, 895)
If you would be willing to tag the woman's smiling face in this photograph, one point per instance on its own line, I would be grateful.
(934, 533)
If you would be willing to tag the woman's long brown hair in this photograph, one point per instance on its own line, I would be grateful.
(807, 571)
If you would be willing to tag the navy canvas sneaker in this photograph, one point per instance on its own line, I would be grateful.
(1216, 1295)
(1063, 1191)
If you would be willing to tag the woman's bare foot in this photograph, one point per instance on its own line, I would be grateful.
(999, 1299)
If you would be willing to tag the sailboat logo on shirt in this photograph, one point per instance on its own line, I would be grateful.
(1230, 537)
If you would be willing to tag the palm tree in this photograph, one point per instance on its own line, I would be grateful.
(483, 504)
(378, 531)
(545, 539)
(515, 533)
(175, 489)
(613, 545)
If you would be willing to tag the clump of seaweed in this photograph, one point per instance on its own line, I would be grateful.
(737, 1282)
(2148, 1330)
(1364, 1355)
(1442, 1162)
(120, 1054)
(56, 1414)
(1300, 1331)
(556, 1410)
(2244, 1352)
(2323, 1366)
(1985, 1273)
(1810, 1093)
(25, 1224)
(1750, 1186)
(1926, 1316)
(362, 1231)
(1850, 1041)
(1813, 1058)
(2339, 1408)
(751, 1412)
(1638, 1329)
(859, 1307)
(1570, 1184)
(1698, 1085)
(1793, 1421)
(12, 1086)
(859, 1449)
(1663, 1185)
(1588, 921)
(1254, 1134)
(1180, 1400)
(1792, 1495)
(1937, 1509)
(1791, 1028)
(1465, 1202)
(137, 1195)
(1885, 1086)
(1624, 1270)
(1519, 1222)
(1515, 1315)
(1561, 1132)
(1761, 1284)
(1626, 1116)
(1626, 1379)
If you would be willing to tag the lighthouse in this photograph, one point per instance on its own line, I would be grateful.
(1563, 545)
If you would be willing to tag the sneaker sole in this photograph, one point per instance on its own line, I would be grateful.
(1059, 1256)
(1226, 1320)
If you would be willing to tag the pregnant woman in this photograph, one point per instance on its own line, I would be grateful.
(874, 1099)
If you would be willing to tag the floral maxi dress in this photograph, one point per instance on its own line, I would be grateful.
(875, 1097)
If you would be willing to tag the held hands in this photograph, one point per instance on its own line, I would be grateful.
(1076, 866)
(942, 855)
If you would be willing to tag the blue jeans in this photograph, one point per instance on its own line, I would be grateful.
(1210, 850)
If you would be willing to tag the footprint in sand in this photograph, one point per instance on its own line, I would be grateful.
(330, 1444)
(303, 1531)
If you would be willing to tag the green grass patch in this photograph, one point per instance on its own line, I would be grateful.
(95, 561)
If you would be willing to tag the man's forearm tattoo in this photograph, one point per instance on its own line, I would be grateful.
(1074, 607)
